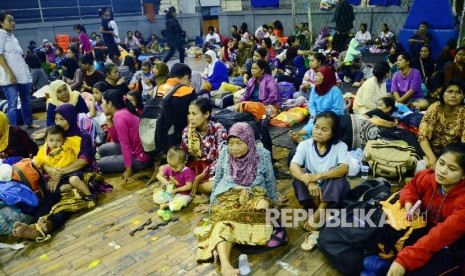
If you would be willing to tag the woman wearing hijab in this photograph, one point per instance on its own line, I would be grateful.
(60, 93)
(325, 96)
(14, 142)
(242, 54)
(72, 74)
(66, 117)
(216, 71)
(160, 73)
(425, 64)
(244, 187)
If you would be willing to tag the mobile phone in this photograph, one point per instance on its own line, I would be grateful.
(412, 210)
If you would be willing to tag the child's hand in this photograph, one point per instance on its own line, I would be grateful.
(174, 181)
(52, 185)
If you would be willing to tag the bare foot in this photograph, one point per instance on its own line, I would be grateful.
(229, 271)
(45, 224)
(307, 227)
(22, 230)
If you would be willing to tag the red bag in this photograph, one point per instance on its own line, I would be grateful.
(256, 108)
(26, 173)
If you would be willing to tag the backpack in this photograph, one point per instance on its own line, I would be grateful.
(390, 159)
(370, 190)
(228, 118)
(156, 125)
(346, 246)
(26, 173)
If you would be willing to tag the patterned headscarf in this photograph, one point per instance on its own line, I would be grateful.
(243, 170)
(5, 130)
(329, 80)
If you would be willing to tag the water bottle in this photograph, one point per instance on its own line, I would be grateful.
(244, 267)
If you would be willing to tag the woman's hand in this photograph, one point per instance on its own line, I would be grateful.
(430, 161)
(314, 190)
(396, 270)
(127, 175)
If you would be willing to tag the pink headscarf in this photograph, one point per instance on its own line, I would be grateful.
(244, 170)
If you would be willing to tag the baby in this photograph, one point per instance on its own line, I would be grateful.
(58, 152)
(176, 180)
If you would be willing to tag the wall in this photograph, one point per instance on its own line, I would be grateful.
(25, 32)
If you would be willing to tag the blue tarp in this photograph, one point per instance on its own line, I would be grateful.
(385, 2)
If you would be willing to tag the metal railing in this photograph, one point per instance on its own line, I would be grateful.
(36, 14)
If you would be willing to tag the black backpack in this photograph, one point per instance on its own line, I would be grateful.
(347, 246)
(370, 190)
(228, 118)
(156, 125)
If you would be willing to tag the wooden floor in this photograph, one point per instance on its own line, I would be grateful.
(98, 242)
(86, 245)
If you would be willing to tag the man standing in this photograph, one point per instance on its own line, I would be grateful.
(344, 18)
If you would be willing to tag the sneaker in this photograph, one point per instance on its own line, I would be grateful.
(376, 265)
(347, 79)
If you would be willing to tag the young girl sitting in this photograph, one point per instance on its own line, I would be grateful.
(136, 100)
(58, 152)
(176, 181)
(385, 107)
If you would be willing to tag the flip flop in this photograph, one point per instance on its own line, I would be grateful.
(310, 241)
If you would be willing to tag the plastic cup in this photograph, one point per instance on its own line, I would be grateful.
(365, 170)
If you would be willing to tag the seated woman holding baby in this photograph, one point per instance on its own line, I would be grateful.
(66, 118)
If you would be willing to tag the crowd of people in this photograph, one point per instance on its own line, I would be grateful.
(100, 81)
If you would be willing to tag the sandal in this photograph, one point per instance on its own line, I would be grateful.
(310, 241)
(279, 237)
(42, 236)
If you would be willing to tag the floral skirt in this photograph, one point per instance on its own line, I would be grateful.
(236, 219)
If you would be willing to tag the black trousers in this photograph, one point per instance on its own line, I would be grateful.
(181, 51)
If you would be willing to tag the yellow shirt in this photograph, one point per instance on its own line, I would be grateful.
(60, 157)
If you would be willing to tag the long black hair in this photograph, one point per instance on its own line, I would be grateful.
(118, 100)
(380, 71)
(169, 12)
(80, 28)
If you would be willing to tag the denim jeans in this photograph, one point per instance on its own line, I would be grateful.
(12, 92)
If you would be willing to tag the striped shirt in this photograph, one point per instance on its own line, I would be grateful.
(11, 50)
